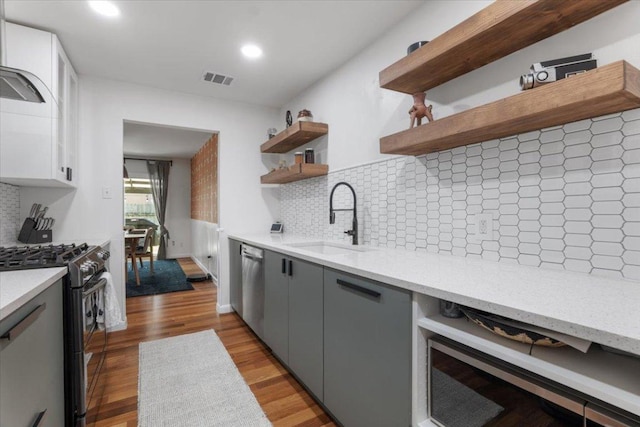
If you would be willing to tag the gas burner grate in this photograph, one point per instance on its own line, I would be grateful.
(41, 256)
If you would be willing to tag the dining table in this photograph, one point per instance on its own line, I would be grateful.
(131, 238)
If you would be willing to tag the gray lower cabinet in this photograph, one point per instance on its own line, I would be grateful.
(235, 275)
(306, 324)
(276, 305)
(367, 351)
(32, 363)
(293, 316)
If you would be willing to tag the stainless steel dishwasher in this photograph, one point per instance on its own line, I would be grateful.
(253, 288)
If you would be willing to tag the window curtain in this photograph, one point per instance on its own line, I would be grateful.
(159, 179)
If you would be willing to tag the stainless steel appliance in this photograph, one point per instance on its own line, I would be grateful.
(505, 394)
(85, 333)
(253, 289)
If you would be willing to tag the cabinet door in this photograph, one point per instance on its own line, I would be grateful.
(72, 127)
(305, 324)
(367, 351)
(235, 275)
(32, 364)
(276, 304)
(65, 91)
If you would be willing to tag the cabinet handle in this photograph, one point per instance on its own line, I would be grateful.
(20, 327)
(69, 174)
(290, 268)
(40, 419)
(284, 266)
(358, 288)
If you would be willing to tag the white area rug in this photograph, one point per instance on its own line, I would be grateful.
(190, 380)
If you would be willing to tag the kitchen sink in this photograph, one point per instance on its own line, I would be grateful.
(329, 248)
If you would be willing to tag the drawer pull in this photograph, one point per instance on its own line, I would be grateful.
(358, 288)
(290, 268)
(284, 266)
(20, 327)
(40, 419)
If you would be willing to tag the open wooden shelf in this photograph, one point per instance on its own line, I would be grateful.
(295, 173)
(294, 136)
(605, 90)
(502, 28)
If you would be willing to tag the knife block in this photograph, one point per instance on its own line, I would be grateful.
(29, 234)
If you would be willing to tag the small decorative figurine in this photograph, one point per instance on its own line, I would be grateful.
(305, 116)
(288, 118)
(419, 110)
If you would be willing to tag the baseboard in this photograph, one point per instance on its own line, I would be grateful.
(199, 264)
(176, 256)
(222, 309)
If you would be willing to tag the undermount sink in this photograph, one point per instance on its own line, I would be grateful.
(329, 248)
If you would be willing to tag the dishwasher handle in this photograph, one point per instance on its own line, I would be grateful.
(252, 253)
(253, 257)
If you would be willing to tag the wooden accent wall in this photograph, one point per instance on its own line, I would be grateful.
(204, 182)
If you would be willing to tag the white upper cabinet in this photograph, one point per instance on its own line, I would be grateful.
(38, 141)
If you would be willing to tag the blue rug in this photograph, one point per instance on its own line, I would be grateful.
(167, 277)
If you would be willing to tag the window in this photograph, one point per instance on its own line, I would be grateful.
(139, 209)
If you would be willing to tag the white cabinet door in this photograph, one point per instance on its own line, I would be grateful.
(72, 127)
(61, 72)
(67, 95)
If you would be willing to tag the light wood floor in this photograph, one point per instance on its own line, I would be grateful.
(282, 398)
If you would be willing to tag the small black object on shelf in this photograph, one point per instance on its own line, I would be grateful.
(415, 46)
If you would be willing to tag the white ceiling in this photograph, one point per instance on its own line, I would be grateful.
(144, 140)
(169, 44)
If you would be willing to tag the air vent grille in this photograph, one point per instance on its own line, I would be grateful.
(216, 78)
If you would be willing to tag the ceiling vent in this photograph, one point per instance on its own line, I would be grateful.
(217, 78)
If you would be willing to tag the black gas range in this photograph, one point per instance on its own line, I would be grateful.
(39, 256)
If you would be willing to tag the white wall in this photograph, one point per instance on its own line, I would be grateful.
(178, 215)
(206, 237)
(359, 112)
(104, 105)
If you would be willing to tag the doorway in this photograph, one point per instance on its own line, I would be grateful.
(179, 149)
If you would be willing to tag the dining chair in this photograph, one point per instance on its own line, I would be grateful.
(146, 250)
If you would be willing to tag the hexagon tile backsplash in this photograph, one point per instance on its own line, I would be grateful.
(9, 213)
(566, 197)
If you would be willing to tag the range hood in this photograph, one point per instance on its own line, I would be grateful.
(17, 85)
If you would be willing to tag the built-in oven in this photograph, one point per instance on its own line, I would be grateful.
(471, 389)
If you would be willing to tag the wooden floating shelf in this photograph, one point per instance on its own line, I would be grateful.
(295, 173)
(294, 136)
(605, 90)
(502, 28)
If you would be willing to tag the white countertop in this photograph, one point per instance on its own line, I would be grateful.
(20, 286)
(603, 310)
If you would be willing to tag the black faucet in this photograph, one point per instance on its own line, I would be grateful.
(332, 212)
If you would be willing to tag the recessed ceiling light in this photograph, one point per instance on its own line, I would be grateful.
(251, 51)
(104, 8)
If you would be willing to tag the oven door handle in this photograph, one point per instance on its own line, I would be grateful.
(22, 325)
(99, 285)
